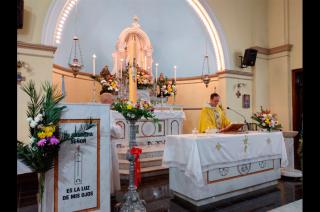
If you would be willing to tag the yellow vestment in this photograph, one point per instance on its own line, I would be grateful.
(212, 118)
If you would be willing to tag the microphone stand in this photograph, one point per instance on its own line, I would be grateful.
(245, 121)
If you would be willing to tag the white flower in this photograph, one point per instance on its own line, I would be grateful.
(29, 119)
(103, 81)
(37, 119)
(109, 88)
(33, 124)
(264, 115)
(116, 89)
(32, 139)
(263, 124)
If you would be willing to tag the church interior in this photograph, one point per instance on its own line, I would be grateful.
(194, 105)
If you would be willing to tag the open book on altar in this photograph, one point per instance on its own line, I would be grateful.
(234, 127)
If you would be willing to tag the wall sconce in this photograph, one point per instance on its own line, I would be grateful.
(238, 86)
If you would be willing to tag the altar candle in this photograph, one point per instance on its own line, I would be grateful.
(94, 64)
(121, 68)
(157, 64)
(145, 62)
(175, 72)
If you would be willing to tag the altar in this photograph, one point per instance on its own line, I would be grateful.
(205, 168)
(151, 138)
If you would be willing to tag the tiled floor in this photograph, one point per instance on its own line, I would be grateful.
(295, 206)
(155, 191)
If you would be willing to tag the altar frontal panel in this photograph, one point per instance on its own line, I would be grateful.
(77, 170)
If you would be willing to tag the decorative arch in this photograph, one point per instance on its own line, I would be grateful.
(144, 57)
(59, 11)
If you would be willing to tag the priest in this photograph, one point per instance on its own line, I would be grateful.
(212, 115)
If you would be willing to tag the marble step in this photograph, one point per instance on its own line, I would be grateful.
(145, 172)
(146, 153)
(144, 162)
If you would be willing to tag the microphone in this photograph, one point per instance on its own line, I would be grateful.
(245, 121)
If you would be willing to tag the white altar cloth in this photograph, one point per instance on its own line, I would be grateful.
(195, 154)
(160, 114)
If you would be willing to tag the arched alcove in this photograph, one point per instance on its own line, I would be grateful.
(179, 32)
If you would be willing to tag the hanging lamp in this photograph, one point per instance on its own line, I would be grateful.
(205, 71)
(75, 58)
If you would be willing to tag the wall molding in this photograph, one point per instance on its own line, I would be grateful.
(219, 74)
(274, 50)
(68, 70)
(42, 47)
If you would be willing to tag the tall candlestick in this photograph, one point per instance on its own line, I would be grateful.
(121, 68)
(145, 62)
(157, 64)
(94, 64)
(175, 73)
(132, 71)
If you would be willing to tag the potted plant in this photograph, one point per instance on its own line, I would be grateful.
(108, 82)
(266, 120)
(45, 138)
(166, 88)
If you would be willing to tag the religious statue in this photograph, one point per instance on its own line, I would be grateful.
(166, 87)
(108, 82)
(105, 72)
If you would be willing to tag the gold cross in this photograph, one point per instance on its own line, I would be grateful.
(245, 141)
(218, 146)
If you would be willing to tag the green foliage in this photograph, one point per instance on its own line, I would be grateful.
(52, 112)
(44, 114)
(40, 159)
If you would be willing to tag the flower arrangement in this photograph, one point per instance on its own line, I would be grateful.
(107, 81)
(43, 113)
(130, 111)
(109, 85)
(166, 87)
(144, 79)
(266, 120)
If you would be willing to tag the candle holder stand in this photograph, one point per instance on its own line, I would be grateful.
(94, 90)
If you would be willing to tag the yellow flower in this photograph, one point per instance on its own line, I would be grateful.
(129, 107)
(41, 135)
(49, 129)
(267, 121)
(49, 134)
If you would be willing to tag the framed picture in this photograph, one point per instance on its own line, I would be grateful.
(246, 101)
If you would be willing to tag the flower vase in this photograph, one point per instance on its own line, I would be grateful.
(41, 180)
(106, 98)
(132, 201)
